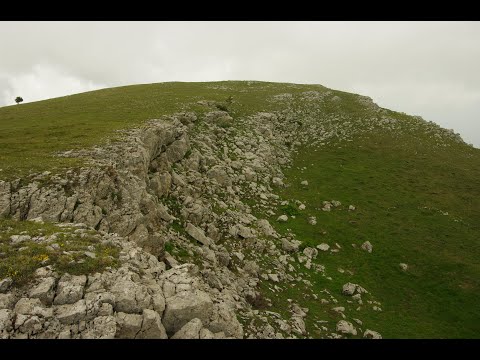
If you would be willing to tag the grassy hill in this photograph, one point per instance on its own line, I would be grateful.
(417, 198)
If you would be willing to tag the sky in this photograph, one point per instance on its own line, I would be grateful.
(431, 69)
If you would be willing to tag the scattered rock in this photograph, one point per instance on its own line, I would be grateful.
(367, 246)
(403, 266)
(282, 218)
(346, 327)
(370, 334)
(323, 247)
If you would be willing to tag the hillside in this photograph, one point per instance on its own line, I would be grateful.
(266, 192)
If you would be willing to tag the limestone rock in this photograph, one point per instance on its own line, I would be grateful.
(346, 327)
(70, 289)
(5, 284)
(265, 227)
(367, 246)
(7, 301)
(370, 334)
(349, 289)
(72, 313)
(224, 320)
(130, 297)
(282, 218)
(152, 327)
(104, 327)
(323, 247)
(190, 330)
(6, 318)
(45, 291)
(198, 234)
(128, 325)
(185, 306)
(403, 266)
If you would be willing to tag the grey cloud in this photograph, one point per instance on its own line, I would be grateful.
(423, 68)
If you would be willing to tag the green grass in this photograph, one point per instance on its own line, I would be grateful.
(401, 182)
(21, 260)
(31, 133)
(391, 182)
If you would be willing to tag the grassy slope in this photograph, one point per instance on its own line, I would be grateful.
(31, 133)
(389, 179)
(438, 296)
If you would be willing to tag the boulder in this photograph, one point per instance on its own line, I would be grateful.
(198, 234)
(128, 325)
(370, 334)
(7, 301)
(26, 306)
(5, 284)
(190, 330)
(104, 327)
(346, 327)
(45, 291)
(224, 320)
(265, 228)
(130, 297)
(70, 289)
(290, 246)
(323, 247)
(367, 246)
(403, 266)
(282, 218)
(183, 307)
(152, 327)
(349, 289)
(72, 313)
(6, 318)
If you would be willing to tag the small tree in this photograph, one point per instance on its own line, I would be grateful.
(18, 100)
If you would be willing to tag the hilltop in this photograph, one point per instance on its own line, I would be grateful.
(235, 209)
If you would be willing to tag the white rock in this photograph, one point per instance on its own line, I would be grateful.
(190, 330)
(273, 277)
(152, 327)
(370, 334)
(403, 266)
(45, 291)
(323, 247)
(70, 289)
(282, 218)
(71, 313)
(198, 234)
(346, 327)
(185, 306)
(349, 289)
(304, 183)
(367, 246)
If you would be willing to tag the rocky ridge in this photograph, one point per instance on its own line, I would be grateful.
(175, 197)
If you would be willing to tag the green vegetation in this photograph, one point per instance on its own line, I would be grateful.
(403, 191)
(416, 202)
(31, 134)
(19, 261)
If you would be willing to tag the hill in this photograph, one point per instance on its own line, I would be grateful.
(206, 183)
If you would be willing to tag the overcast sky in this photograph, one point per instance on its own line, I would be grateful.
(430, 69)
